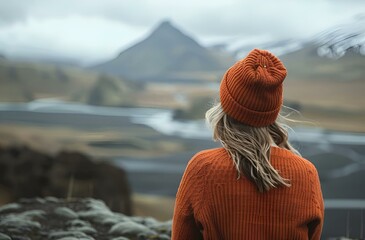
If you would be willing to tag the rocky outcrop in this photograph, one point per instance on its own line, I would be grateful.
(87, 219)
(25, 173)
(108, 91)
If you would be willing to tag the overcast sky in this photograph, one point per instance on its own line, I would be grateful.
(93, 30)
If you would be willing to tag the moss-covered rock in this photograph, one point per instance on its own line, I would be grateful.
(39, 218)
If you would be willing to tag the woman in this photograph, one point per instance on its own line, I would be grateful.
(257, 186)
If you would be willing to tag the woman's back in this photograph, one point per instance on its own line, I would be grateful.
(223, 207)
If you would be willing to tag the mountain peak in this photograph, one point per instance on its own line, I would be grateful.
(166, 28)
(165, 23)
(164, 54)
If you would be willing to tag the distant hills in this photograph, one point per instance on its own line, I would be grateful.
(24, 81)
(167, 54)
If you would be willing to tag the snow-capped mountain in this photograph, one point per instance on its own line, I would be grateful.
(334, 43)
(279, 48)
(331, 43)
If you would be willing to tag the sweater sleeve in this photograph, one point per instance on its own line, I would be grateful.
(189, 198)
(315, 226)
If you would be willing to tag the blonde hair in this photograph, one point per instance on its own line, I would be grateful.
(249, 147)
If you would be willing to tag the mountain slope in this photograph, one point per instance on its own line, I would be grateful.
(306, 64)
(328, 92)
(164, 53)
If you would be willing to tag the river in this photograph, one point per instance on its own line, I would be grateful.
(162, 121)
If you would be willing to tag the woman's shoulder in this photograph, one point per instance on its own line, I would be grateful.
(295, 161)
(208, 155)
(212, 152)
(209, 159)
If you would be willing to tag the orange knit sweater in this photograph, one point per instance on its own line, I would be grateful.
(212, 204)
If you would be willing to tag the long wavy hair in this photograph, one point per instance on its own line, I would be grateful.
(249, 147)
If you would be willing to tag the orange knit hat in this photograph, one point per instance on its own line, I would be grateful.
(252, 91)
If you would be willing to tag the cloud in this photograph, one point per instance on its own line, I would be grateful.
(132, 12)
(13, 11)
(80, 38)
(94, 28)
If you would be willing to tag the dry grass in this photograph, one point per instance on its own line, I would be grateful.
(335, 105)
(157, 207)
(55, 139)
(334, 120)
(172, 95)
(346, 95)
(5, 195)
